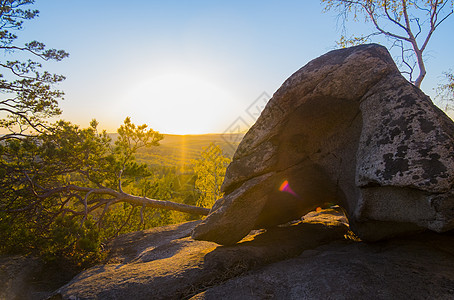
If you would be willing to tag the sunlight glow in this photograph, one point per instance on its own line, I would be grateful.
(179, 102)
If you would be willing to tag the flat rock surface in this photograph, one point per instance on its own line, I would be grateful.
(313, 258)
(165, 263)
(418, 267)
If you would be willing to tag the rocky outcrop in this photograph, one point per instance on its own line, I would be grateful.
(165, 263)
(27, 277)
(15, 276)
(316, 258)
(416, 267)
(346, 128)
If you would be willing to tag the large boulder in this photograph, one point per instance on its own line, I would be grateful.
(346, 128)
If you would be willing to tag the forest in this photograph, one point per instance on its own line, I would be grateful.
(66, 191)
(51, 204)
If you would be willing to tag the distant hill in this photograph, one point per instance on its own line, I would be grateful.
(179, 150)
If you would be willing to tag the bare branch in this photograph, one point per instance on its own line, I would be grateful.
(392, 19)
(126, 221)
(38, 127)
(419, 28)
(106, 207)
(402, 15)
(131, 199)
(141, 214)
(59, 54)
(380, 29)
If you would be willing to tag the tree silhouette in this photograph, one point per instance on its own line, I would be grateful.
(409, 24)
(27, 94)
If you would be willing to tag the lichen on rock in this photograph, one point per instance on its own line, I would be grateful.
(347, 128)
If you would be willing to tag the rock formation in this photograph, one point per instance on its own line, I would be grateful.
(346, 128)
(310, 259)
(165, 263)
(416, 267)
(316, 258)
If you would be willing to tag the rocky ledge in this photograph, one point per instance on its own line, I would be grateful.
(314, 258)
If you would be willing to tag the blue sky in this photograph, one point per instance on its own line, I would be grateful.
(189, 67)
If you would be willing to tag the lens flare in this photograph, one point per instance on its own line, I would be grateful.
(285, 187)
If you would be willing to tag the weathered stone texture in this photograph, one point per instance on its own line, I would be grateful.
(346, 128)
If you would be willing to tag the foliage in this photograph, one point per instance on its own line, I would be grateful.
(77, 243)
(130, 139)
(64, 192)
(408, 24)
(210, 170)
(27, 93)
(445, 91)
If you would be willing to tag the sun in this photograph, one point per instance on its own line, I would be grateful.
(179, 102)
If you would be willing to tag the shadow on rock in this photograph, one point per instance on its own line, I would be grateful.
(183, 267)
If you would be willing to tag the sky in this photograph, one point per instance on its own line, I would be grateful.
(190, 67)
